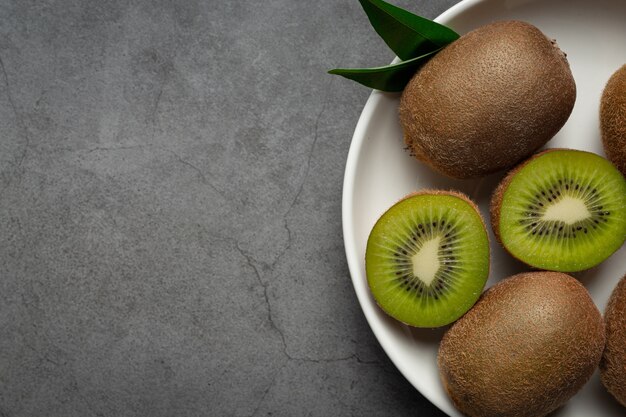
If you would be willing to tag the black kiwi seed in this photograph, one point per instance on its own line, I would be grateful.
(444, 277)
(544, 197)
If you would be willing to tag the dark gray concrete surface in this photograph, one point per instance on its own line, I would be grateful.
(170, 211)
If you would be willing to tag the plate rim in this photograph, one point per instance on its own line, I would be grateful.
(356, 146)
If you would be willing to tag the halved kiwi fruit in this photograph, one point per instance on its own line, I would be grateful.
(562, 210)
(427, 258)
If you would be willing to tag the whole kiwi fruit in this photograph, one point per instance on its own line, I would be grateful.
(613, 364)
(488, 100)
(524, 349)
(613, 119)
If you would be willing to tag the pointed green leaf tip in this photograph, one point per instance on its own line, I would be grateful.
(413, 38)
(407, 35)
(390, 78)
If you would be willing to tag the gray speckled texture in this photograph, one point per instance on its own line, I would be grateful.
(170, 211)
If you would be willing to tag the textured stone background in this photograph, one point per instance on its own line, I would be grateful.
(170, 200)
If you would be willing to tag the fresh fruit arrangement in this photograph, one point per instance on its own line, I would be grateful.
(470, 106)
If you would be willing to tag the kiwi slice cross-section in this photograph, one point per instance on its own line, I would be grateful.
(427, 258)
(562, 210)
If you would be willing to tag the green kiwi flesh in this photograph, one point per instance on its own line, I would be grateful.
(562, 210)
(427, 258)
(526, 347)
(613, 364)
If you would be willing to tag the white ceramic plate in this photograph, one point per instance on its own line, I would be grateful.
(379, 172)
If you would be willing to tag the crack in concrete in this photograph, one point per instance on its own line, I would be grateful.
(42, 356)
(154, 121)
(19, 120)
(180, 159)
(304, 178)
(252, 263)
(153, 117)
(267, 390)
(198, 171)
(155, 108)
(311, 151)
(354, 356)
(192, 166)
(115, 148)
(275, 377)
(73, 383)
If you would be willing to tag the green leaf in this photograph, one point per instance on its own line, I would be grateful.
(391, 78)
(407, 35)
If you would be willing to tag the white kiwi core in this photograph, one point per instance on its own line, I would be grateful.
(426, 261)
(568, 210)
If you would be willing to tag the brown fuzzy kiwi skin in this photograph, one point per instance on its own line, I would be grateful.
(488, 100)
(454, 193)
(613, 119)
(524, 349)
(613, 364)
